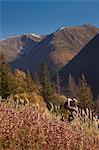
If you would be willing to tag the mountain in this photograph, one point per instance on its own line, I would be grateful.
(61, 46)
(85, 62)
(16, 45)
(56, 49)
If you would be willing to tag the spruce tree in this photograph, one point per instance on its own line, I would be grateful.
(72, 87)
(20, 82)
(97, 104)
(48, 91)
(85, 94)
(30, 86)
(6, 77)
(36, 79)
(58, 84)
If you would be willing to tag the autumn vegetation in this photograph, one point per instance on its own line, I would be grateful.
(34, 128)
(26, 122)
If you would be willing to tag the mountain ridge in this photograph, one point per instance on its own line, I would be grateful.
(17, 44)
(56, 49)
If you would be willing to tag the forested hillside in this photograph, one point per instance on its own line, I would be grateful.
(35, 115)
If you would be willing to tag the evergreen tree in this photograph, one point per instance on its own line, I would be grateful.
(97, 104)
(29, 83)
(20, 82)
(6, 77)
(85, 94)
(48, 91)
(58, 84)
(36, 79)
(72, 87)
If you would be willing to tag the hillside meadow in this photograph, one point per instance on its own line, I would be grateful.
(35, 128)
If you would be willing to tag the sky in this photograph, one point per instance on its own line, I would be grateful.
(44, 17)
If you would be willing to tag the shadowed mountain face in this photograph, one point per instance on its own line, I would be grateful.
(87, 63)
(56, 49)
(33, 59)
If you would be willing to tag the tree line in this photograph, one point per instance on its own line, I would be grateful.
(20, 82)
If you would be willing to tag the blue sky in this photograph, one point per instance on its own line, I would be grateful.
(44, 17)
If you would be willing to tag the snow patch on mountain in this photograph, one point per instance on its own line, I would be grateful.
(32, 34)
(35, 35)
(62, 28)
(10, 37)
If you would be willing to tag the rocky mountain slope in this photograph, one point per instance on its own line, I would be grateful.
(87, 63)
(56, 49)
(61, 46)
(16, 45)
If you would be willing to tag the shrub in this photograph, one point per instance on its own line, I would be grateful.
(36, 129)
